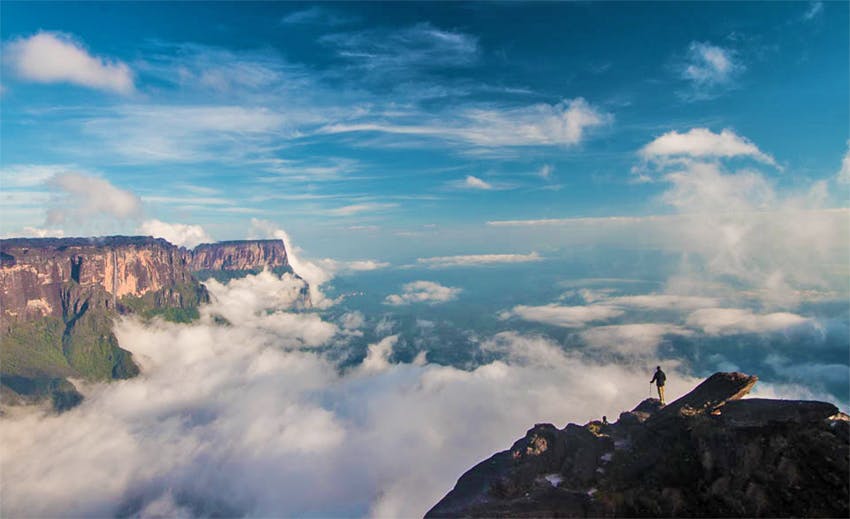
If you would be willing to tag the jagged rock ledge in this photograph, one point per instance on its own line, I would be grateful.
(708, 454)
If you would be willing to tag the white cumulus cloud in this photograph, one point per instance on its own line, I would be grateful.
(52, 57)
(728, 321)
(79, 196)
(422, 292)
(703, 143)
(312, 272)
(709, 69)
(180, 234)
(472, 182)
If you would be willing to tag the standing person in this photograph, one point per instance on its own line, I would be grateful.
(659, 378)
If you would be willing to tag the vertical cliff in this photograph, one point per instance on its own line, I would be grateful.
(58, 299)
(239, 255)
(228, 259)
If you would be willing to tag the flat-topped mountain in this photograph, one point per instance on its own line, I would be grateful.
(708, 454)
(59, 297)
(228, 258)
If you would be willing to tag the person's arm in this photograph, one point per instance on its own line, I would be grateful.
(654, 377)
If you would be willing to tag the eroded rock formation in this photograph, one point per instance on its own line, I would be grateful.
(59, 297)
(708, 454)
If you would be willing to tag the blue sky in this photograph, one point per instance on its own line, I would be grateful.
(508, 213)
(370, 129)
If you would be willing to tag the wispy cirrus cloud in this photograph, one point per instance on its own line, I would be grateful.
(813, 11)
(562, 124)
(368, 207)
(162, 133)
(54, 57)
(316, 15)
(473, 260)
(422, 45)
(16, 176)
(580, 220)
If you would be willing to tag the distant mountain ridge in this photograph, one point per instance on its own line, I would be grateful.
(59, 297)
(708, 454)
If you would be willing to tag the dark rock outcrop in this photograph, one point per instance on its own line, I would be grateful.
(708, 454)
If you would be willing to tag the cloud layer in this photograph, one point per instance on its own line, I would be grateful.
(249, 419)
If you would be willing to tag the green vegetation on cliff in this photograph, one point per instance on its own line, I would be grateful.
(36, 356)
(178, 304)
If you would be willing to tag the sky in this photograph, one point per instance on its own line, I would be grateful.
(506, 213)
(362, 128)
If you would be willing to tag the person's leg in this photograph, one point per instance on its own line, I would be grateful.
(661, 393)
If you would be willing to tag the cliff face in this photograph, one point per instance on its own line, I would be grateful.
(58, 299)
(707, 454)
(245, 255)
(227, 260)
(34, 271)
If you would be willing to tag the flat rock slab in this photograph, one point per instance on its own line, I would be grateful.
(713, 392)
(758, 412)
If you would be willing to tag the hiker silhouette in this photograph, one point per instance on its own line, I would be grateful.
(659, 378)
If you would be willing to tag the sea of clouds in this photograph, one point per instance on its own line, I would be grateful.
(240, 413)
(248, 411)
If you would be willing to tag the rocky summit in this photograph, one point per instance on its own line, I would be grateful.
(708, 454)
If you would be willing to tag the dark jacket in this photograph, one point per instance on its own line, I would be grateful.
(660, 377)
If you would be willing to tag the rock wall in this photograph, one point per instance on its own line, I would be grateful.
(244, 255)
(33, 271)
(60, 296)
(58, 301)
